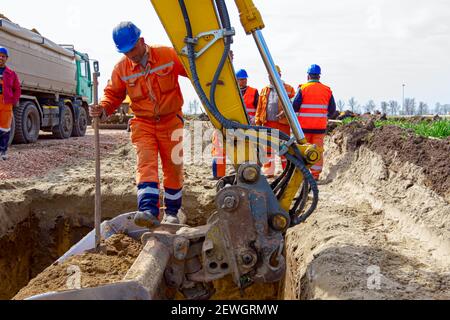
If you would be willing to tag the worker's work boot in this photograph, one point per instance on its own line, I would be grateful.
(146, 219)
(171, 219)
(4, 157)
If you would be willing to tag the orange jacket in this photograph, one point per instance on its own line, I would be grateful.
(313, 113)
(249, 100)
(154, 91)
(261, 112)
(5, 112)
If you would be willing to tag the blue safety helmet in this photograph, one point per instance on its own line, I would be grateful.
(315, 69)
(4, 51)
(125, 36)
(242, 74)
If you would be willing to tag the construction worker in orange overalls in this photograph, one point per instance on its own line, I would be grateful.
(9, 96)
(270, 114)
(149, 76)
(250, 96)
(314, 104)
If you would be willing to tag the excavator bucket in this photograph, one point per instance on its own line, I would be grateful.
(142, 282)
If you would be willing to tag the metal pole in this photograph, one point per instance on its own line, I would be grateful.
(403, 102)
(98, 190)
(279, 86)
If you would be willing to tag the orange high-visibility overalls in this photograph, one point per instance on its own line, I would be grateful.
(156, 130)
(313, 117)
(219, 158)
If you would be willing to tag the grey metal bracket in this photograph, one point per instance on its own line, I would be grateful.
(217, 34)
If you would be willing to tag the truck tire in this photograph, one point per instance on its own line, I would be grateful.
(11, 133)
(27, 123)
(80, 125)
(65, 127)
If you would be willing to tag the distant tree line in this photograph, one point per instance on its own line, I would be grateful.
(392, 107)
(194, 107)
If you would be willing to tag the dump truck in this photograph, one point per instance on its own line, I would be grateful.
(56, 85)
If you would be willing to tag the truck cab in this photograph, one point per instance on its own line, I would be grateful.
(84, 76)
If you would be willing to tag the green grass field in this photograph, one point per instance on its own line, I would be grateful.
(435, 129)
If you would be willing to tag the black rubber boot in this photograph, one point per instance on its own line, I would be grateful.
(146, 219)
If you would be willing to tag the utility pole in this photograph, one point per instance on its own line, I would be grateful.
(403, 101)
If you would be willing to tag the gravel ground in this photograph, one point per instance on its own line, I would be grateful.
(36, 160)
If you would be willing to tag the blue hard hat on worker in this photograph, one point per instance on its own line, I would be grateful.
(126, 35)
(315, 69)
(4, 51)
(242, 74)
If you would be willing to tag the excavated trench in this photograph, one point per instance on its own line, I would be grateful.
(381, 231)
(50, 224)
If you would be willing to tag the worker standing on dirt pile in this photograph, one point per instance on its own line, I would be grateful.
(251, 97)
(314, 104)
(270, 113)
(149, 75)
(9, 96)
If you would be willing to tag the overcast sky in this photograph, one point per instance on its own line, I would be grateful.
(367, 49)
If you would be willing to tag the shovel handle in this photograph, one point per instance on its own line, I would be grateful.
(98, 190)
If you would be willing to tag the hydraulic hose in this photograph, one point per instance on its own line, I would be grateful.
(298, 161)
(210, 104)
(300, 202)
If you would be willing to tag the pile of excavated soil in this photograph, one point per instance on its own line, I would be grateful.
(394, 143)
(95, 268)
(382, 227)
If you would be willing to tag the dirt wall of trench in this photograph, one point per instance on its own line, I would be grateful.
(382, 229)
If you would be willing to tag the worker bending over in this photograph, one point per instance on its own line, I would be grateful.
(149, 75)
(314, 104)
(9, 96)
(270, 114)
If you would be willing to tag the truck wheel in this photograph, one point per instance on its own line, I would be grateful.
(11, 133)
(65, 127)
(28, 123)
(80, 125)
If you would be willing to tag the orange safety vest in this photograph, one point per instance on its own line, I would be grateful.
(261, 112)
(249, 100)
(313, 113)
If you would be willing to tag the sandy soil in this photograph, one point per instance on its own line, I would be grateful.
(94, 269)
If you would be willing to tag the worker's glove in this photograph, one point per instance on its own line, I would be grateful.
(97, 111)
